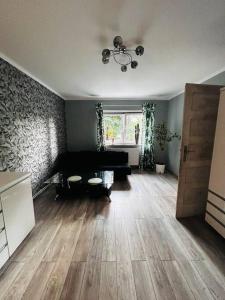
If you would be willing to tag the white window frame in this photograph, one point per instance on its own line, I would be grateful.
(123, 142)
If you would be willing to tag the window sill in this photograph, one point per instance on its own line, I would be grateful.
(123, 146)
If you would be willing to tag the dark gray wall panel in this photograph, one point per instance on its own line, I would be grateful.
(81, 121)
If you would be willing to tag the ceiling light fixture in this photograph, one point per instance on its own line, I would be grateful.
(121, 54)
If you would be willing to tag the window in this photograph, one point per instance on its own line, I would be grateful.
(120, 127)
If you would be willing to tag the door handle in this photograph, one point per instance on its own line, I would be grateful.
(186, 151)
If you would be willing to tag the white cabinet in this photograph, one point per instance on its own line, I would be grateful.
(3, 240)
(4, 256)
(17, 205)
(215, 210)
(16, 212)
(2, 224)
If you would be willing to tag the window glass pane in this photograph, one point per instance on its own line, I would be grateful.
(132, 120)
(113, 125)
(120, 128)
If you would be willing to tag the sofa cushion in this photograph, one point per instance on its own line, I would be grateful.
(70, 162)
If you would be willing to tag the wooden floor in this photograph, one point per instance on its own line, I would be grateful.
(131, 248)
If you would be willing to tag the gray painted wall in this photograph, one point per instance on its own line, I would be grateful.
(81, 121)
(175, 121)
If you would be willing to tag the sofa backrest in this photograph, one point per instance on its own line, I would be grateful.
(91, 159)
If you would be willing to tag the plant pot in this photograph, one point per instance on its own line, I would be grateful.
(160, 168)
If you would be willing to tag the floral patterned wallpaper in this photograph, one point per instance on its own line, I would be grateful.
(32, 125)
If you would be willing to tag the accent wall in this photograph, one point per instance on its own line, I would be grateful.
(32, 125)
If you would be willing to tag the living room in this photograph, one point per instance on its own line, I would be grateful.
(112, 149)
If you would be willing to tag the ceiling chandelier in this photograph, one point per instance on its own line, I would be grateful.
(121, 54)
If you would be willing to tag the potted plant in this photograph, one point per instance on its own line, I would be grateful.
(137, 133)
(163, 136)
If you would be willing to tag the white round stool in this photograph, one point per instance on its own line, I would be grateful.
(73, 179)
(95, 181)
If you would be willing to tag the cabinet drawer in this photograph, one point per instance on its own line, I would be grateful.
(4, 256)
(1, 222)
(18, 210)
(216, 200)
(215, 212)
(3, 240)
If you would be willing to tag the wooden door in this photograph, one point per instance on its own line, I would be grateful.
(199, 123)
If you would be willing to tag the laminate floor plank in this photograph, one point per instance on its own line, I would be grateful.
(96, 248)
(84, 241)
(211, 243)
(151, 209)
(161, 240)
(109, 242)
(168, 203)
(108, 281)
(56, 280)
(104, 209)
(81, 208)
(60, 242)
(216, 288)
(91, 282)
(21, 282)
(129, 248)
(72, 286)
(193, 250)
(135, 241)
(177, 281)
(193, 279)
(58, 275)
(122, 243)
(39, 281)
(148, 242)
(195, 282)
(8, 276)
(143, 282)
(125, 281)
(161, 283)
(217, 268)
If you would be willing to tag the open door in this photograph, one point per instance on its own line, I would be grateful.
(199, 123)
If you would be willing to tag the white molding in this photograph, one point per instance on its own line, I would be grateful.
(20, 68)
(199, 82)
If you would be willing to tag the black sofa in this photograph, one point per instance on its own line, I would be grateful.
(71, 162)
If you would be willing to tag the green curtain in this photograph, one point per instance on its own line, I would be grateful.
(100, 127)
(147, 152)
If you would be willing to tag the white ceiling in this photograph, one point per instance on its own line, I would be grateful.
(60, 43)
